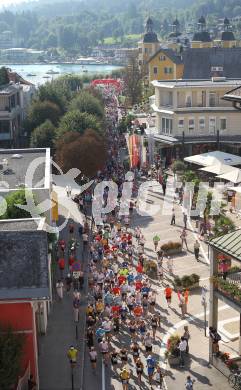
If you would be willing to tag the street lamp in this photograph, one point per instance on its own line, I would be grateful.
(204, 304)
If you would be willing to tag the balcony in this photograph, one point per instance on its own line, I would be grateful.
(5, 136)
(10, 113)
(229, 289)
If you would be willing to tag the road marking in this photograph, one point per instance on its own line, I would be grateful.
(178, 325)
(103, 376)
(196, 238)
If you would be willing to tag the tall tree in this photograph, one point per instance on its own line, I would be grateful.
(133, 81)
(77, 121)
(39, 112)
(86, 102)
(43, 136)
(11, 353)
(81, 151)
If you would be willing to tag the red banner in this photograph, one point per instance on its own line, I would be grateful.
(134, 144)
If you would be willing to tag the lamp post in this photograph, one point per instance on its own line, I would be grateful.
(204, 304)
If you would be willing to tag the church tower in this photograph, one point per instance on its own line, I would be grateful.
(148, 46)
(201, 38)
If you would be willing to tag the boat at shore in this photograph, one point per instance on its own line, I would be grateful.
(51, 71)
(31, 75)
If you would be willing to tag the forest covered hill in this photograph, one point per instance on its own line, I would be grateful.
(77, 25)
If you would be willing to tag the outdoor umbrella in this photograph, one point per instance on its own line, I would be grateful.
(213, 158)
(234, 176)
(218, 169)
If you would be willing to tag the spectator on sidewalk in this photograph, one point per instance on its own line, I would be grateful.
(168, 294)
(183, 237)
(60, 289)
(173, 219)
(182, 349)
(185, 220)
(196, 249)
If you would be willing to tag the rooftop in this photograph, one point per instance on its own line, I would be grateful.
(23, 261)
(230, 244)
(8, 89)
(201, 63)
(181, 83)
(14, 164)
(170, 54)
(15, 225)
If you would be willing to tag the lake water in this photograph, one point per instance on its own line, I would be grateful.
(41, 71)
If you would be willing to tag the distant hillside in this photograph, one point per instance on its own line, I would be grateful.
(75, 26)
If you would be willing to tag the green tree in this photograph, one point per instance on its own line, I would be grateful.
(56, 93)
(133, 81)
(11, 352)
(4, 26)
(77, 121)
(85, 102)
(3, 76)
(13, 211)
(43, 136)
(80, 151)
(39, 112)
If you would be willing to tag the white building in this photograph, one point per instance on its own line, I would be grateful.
(192, 117)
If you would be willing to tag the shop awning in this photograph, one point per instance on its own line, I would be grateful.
(218, 169)
(214, 158)
(234, 176)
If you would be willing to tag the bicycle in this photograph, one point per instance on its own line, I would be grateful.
(234, 379)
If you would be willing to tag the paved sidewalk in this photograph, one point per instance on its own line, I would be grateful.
(54, 367)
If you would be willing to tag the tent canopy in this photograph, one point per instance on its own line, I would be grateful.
(218, 169)
(214, 158)
(234, 176)
(236, 189)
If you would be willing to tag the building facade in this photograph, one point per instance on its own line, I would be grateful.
(148, 46)
(165, 64)
(192, 113)
(11, 113)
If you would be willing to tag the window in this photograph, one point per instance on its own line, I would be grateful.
(162, 58)
(155, 70)
(181, 122)
(146, 50)
(4, 127)
(188, 100)
(168, 70)
(140, 50)
(167, 125)
(140, 62)
(191, 124)
(212, 125)
(212, 99)
(223, 124)
(201, 124)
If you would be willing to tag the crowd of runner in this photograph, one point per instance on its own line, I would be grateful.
(121, 297)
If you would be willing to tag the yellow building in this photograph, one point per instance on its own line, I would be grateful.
(148, 46)
(165, 64)
(201, 38)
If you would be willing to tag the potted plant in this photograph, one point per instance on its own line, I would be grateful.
(172, 248)
(151, 267)
(172, 351)
(221, 362)
(187, 281)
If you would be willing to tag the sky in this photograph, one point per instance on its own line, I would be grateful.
(8, 2)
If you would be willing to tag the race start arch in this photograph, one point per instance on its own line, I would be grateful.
(112, 83)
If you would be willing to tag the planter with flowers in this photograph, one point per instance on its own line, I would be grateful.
(172, 352)
(172, 248)
(228, 289)
(224, 364)
(187, 281)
